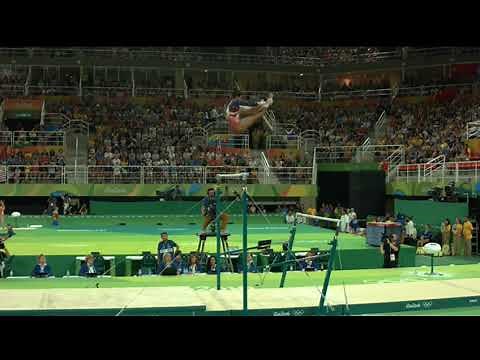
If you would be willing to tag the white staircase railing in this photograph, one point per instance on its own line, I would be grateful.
(270, 121)
(264, 169)
(436, 165)
(363, 151)
(473, 130)
(380, 124)
(396, 158)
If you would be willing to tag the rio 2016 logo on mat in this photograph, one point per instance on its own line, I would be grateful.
(418, 305)
(295, 312)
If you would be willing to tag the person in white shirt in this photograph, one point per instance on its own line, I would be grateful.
(290, 218)
(410, 232)
(344, 221)
(352, 213)
(116, 166)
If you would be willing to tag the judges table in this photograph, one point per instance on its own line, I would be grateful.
(130, 260)
(110, 268)
(376, 230)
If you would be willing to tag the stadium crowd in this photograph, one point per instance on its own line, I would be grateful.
(162, 133)
(431, 129)
(33, 167)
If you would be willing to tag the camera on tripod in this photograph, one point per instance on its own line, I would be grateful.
(448, 193)
(174, 193)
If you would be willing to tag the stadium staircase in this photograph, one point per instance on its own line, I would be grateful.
(265, 174)
(3, 174)
(364, 152)
(395, 159)
(76, 152)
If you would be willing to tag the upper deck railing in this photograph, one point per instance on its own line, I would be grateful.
(448, 171)
(118, 174)
(321, 60)
(32, 138)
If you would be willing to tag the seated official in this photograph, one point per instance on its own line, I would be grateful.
(88, 269)
(251, 266)
(212, 265)
(166, 246)
(167, 266)
(308, 263)
(178, 262)
(83, 210)
(193, 266)
(425, 237)
(42, 269)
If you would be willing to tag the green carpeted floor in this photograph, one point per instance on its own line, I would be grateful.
(78, 236)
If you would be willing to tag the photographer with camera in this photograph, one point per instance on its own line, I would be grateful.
(3, 238)
(390, 249)
(209, 212)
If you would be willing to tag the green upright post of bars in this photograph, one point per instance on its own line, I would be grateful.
(245, 246)
(331, 262)
(289, 253)
(217, 230)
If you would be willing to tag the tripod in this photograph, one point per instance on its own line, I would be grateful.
(226, 249)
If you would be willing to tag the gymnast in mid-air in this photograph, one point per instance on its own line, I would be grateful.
(242, 114)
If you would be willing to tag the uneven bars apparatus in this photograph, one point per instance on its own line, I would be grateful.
(331, 259)
(244, 199)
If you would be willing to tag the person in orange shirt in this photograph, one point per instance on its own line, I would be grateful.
(467, 236)
(2, 213)
(458, 246)
(446, 229)
(55, 217)
(312, 211)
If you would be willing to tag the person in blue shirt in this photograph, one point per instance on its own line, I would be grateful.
(354, 223)
(42, 269)
(166, 246)
(193, 266)
(251, 266)
(308, 263)
(55, 217)
(87, 268)
(178, 262)
(425, 237)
